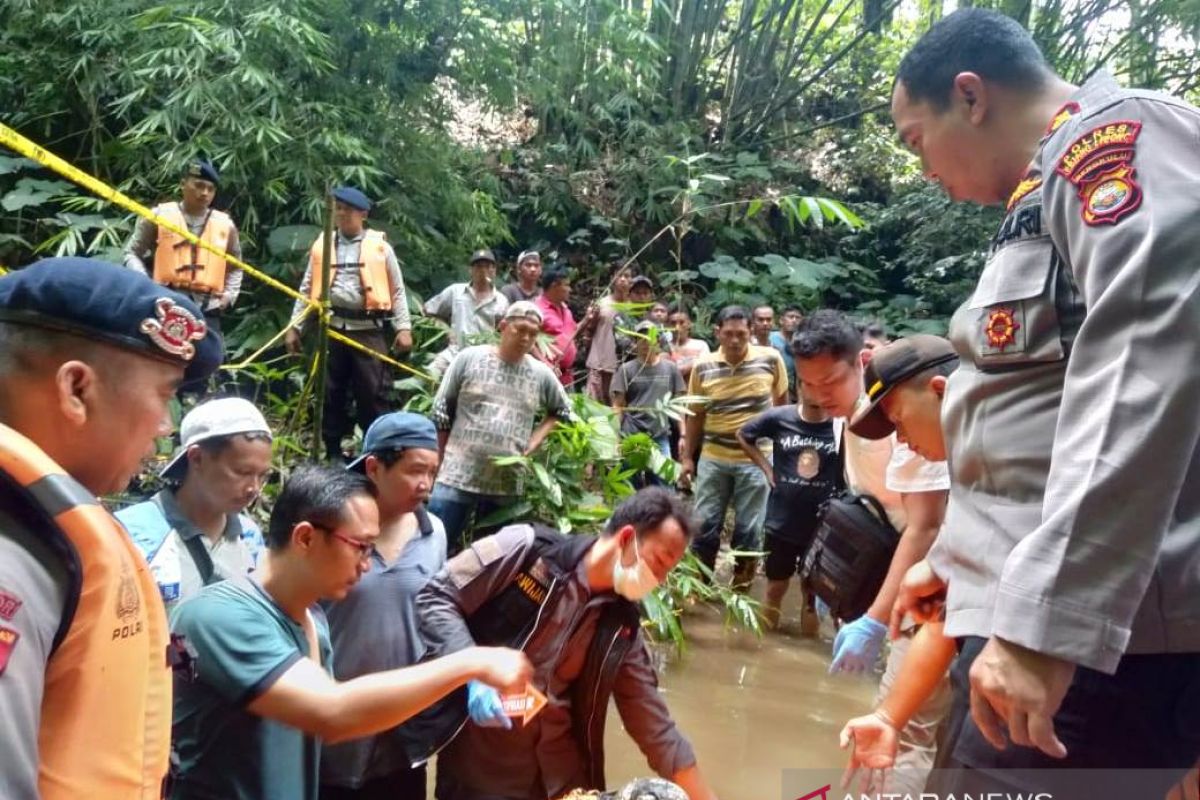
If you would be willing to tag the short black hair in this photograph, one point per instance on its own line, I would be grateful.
(553, 276)
(679, 308)
(827, 332)
(797, 309)
(317, 495)
(875, 330)
(731, 313)
(648, 508)
(988, 43)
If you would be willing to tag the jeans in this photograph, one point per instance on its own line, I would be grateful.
(717, 484)
(454, 508)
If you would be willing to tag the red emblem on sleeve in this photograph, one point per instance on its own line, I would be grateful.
(174, 329)
(1001, 328)
(8, 640)
(1109, 196)
(1100, 165)
(10, 604)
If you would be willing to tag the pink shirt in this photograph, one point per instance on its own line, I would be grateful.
(558, 321)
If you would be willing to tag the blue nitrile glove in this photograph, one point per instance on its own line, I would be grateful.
(483, 704)
(857, 645)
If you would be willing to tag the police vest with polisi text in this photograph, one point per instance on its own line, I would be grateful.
(182, 265)
(372, 269)
(105, 724)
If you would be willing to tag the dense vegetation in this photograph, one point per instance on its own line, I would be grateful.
(732, 144)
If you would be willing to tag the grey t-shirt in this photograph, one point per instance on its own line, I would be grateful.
(374, 628)
(643, 386)
(489, 407)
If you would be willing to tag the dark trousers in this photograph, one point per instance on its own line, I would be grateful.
(407, 784)
(1132, 734)
(358, 376)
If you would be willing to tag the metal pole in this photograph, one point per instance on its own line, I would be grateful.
(322, 352)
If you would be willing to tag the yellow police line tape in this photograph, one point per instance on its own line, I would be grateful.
(29, 149)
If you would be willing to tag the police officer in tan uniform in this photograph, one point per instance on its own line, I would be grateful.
(1071, 544)
(366, 290)
(173, 261)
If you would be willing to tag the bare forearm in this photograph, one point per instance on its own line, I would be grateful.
(755, 455)
(694, 434)
(914, 545)
(443, 437)
(927, 660)
(377, 702)
(540, 434)
(691, 781)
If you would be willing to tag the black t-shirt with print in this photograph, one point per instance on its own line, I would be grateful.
(807, 466)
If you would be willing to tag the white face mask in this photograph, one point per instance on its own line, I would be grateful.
(633, 583)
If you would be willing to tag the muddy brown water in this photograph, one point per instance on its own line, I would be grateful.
(750, 706)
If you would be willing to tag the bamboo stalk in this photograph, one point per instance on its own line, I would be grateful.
(322, 352)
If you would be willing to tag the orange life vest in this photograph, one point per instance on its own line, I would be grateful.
(105, 730)
(372, 268)
(182, 265)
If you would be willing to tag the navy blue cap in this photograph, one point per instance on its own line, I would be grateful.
(399, 430)
(352, 197)
(101, 301)
(202, 169)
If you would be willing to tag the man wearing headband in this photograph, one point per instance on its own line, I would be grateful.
(486, 407)
(528, 284)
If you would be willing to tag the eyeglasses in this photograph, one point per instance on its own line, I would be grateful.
(364, 548)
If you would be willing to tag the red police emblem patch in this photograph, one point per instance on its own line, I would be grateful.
(10, 604)
(1110, 196)
(8, 640)
(1001, 328)
(174, 329)
(1100, 165)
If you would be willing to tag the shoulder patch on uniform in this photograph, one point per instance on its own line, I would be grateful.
(1026, 186)
(1061, 116)
(10, 604)
(8, 640)
(1111, 139)
(1099, 164)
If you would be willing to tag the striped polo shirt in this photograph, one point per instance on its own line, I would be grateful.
(735, 394)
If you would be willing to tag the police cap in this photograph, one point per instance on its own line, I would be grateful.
(101, 301)
(352, 197)
(203, 170)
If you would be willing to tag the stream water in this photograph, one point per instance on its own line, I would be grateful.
(750, 706)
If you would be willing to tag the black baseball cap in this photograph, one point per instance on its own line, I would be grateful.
(482, 254)
(891, 366)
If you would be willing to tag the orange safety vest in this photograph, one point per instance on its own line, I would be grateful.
(105, 730)
(182, 265)
(372, 266)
